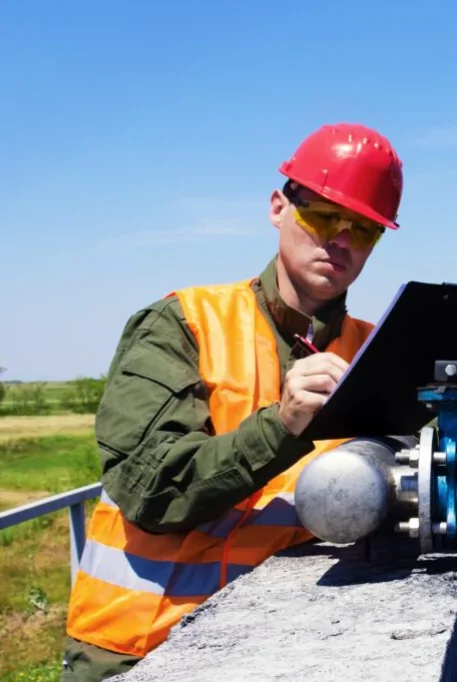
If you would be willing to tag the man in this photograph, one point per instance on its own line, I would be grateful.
(202, 428)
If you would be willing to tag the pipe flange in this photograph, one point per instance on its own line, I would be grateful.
(426, 449)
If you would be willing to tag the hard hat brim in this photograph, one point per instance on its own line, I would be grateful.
(342, 200)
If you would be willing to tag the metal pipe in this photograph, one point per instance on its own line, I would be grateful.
(347, 493)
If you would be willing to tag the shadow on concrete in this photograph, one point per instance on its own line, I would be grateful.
(383, 557)
(385, 560)
(449, 669)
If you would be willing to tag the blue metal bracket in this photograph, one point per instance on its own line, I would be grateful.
(442, 398)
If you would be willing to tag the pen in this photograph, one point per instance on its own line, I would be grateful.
(305, 345)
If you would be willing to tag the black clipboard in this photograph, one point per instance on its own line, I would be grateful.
(377, 395)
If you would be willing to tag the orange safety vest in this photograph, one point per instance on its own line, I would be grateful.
(132, 586)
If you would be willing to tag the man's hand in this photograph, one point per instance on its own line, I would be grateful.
(307, 386)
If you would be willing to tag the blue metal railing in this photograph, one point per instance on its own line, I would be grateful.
(74, 499)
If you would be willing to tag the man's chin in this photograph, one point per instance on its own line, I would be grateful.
(325, 287)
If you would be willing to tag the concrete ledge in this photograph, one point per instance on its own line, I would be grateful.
(321, 613)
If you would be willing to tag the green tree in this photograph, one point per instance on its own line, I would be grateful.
(2, 387)
(84, 394)
(29, 399)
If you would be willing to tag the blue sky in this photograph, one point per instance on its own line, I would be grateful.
(140, 142)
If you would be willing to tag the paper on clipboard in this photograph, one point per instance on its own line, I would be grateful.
(377, 394)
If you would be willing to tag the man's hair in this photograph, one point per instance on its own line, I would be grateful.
(289, 190)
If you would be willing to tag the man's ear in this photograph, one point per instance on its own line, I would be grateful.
(278, 207)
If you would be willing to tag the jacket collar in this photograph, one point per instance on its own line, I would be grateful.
(325, 324)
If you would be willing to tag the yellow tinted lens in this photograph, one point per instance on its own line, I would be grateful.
(364, 236)
(319, 225)
(325, 221)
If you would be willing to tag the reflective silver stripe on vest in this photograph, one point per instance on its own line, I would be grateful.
(157, 577)
(106, 499)
(279, 512)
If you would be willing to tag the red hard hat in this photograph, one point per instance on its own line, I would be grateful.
(353, 166)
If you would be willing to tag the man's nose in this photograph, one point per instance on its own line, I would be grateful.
(343, 238)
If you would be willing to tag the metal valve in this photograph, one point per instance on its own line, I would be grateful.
(347, 493)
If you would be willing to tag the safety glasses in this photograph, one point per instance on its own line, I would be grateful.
(325, 221)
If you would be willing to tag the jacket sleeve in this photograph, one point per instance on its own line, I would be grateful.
(161, 462)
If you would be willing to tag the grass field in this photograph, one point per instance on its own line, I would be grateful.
(34, 556)
(32, 427)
